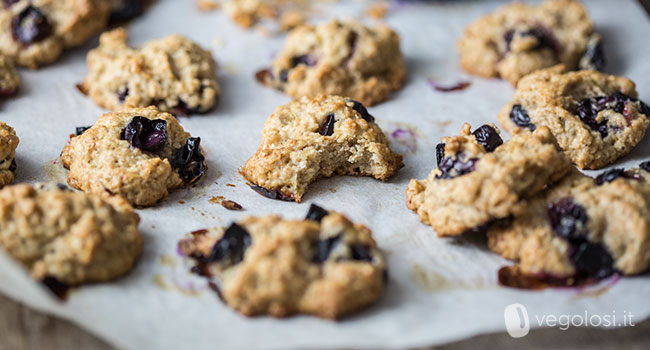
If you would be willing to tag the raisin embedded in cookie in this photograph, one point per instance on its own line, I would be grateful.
(338, 58)
(141, 154)
(478, 180)
(9, 78)
(578, 231)
(324, 265)
(67, 238)
(596, 118)
(124, 10)
(308, 139)
(8, 143)
(35, 32)
(518, 39)
(173, 74)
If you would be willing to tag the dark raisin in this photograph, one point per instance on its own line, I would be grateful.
(488, 137)
(352, 44)
(324, 247)
(182, 109)
(58, 288)
(284, 75)
(327, 129)
(610, 175)
(30, 26)
(594, 56)
(264, 76)
(13, 166)
(357, 106)
(307, 60)
(545, 38)
(567, 218)
(587, 111)
(188, 161)
(122, 94)
(81, 129)
(520, 117)
(316, 213)
(273, 194)
(63, 187)
(461, 85)
(645, 166)
(130, 9)
(146, 134)
(440, 153)
(452, 167)
(231, 247)
(593, 260)
(361, 253)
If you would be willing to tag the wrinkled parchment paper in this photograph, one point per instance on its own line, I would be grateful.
(440, 290)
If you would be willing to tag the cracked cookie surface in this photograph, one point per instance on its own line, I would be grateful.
(174, 74)
(518, 39)
(309, 139)
(68, 236)
(139, 153)
(579, 229)
(37, 31)
(338, 58)
(477, 182)
(324, 265)
(596, 118)
(8, 143)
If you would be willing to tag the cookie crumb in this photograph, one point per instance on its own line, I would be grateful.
(207, 5)
(377, 10)
(231, 205)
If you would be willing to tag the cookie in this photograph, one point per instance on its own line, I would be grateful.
(518, 39)
(309, 139)
(478, 180)
(581, 229)
(37, 31)
(140, 153)
(338, 58)
(67, 238)
(9, 78)
(596, 118)
(324, 265)
(8, 143)
(174, 74)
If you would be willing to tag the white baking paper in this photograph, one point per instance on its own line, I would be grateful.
(440, 290)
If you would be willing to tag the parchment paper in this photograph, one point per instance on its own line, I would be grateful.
(440, 290)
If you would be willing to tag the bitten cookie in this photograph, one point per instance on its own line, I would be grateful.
(596, 118)
(35, 32)
(324, 265)
(581, 229)
(173, 74)
(141, 154)
(338, 58)
(67, 238)
(519, 39)
(9, 78)
(8, 143)
(308, 139)
(478, 180)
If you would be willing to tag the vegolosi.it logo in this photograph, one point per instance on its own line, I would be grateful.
(518, 322)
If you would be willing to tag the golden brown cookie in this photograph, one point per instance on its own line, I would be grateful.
(139, 153)
(324, 265)
(309, 139)
(8, 143)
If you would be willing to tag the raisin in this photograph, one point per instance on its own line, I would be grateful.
(316, 213)
(520, 117)
(231, 247)
(488, 137)
(327, 129)
(146, 134)
(188, 161)
(30, 26)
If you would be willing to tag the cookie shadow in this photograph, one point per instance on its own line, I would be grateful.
(612, 46)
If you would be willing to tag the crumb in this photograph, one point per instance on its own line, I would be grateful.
(333, 190)
(181, 202)
(231, 205)
(216, 200)
(207, 5)
(377, 10)
(230, 185)
(81, 88)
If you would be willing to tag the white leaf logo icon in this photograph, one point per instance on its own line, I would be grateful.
(517, 322)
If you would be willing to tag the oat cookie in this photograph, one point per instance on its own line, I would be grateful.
(8, 144)
(338, 58)
(140, 153)
(309, 139)
(65, 237)
(596, 118)
(324, 265)
(37, 31)
(173, 74)
(580, 229)
(518, 39)
(9, 78)
(478, 180)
